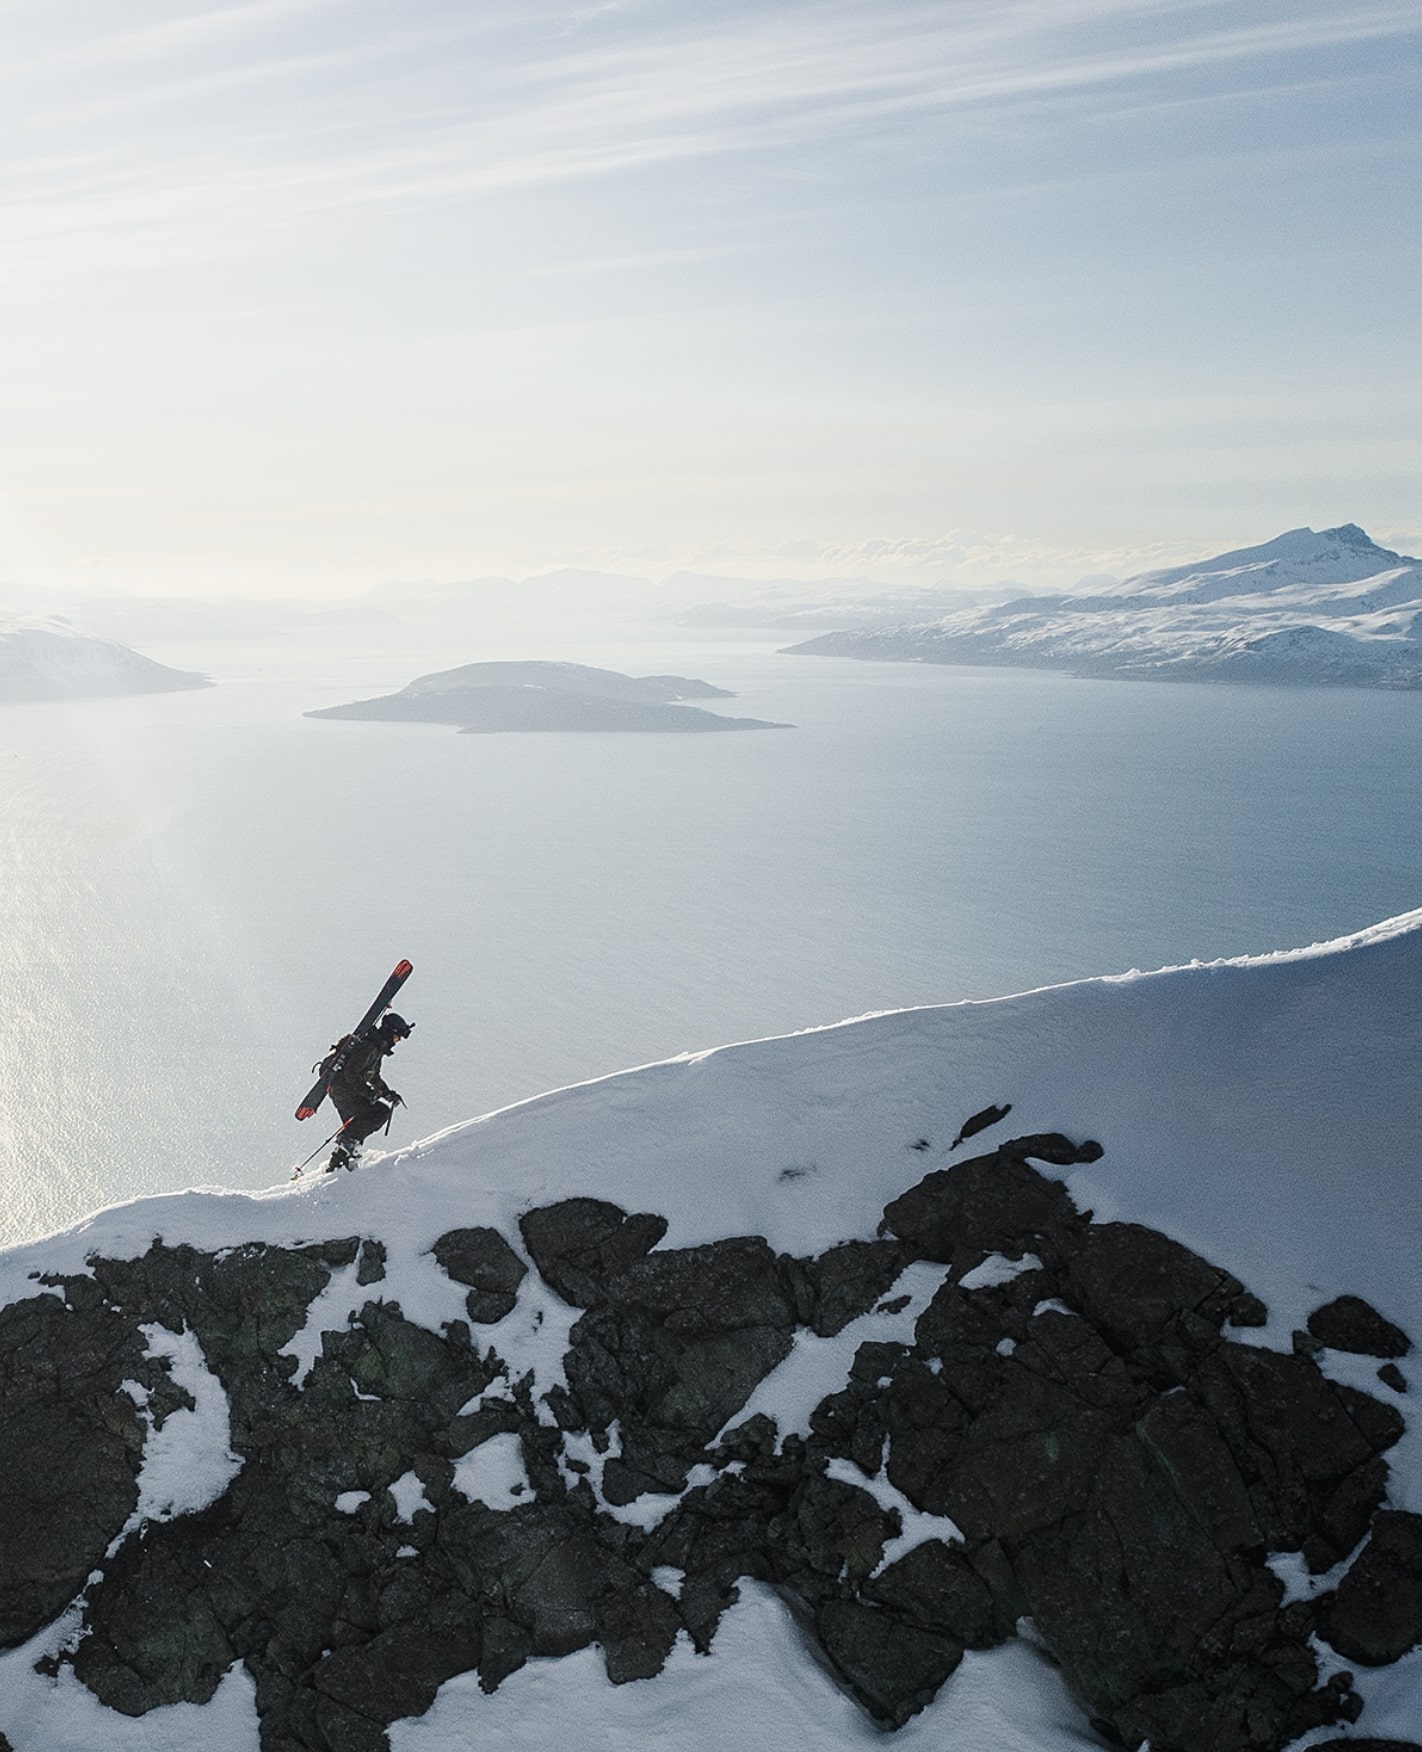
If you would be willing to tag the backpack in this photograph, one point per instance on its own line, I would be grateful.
(327, 1067)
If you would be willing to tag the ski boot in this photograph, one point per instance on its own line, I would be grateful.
(343, 1156)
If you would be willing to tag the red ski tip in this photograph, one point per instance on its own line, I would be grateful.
(305, 1112)
(403, 969)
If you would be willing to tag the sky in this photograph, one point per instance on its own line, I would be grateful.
(301, 296)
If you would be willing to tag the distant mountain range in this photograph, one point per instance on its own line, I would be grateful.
(703, 602)
(1327, 606)
(580, 604)
(49, 660)
(481, 698)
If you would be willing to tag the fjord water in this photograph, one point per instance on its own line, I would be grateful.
(203, 889)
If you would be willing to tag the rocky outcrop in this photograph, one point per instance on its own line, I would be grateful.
(580, 1243)
(981, 1121)
(1079, 1404)
(1376, 1614)
(1348, 1323)
(482, 1259)
(71, 1443)
(1353, 1744)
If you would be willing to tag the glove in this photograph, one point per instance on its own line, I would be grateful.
(394, 1099)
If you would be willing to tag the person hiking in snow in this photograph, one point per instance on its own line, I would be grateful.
(364, 1100)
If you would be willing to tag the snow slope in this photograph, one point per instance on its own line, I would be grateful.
(1327, 606)
(1263, 1111)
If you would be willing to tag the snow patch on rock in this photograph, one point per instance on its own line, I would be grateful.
(493, 1473)
(188, 1462)
(817, 1367)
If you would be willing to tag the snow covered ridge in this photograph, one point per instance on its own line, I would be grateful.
(49, 660)
(473, 1414)
(1315, 607)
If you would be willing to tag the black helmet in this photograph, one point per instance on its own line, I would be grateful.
(396, 1027)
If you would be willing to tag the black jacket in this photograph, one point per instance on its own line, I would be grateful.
(358, 1079)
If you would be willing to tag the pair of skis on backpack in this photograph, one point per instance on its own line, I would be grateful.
(344, 1155)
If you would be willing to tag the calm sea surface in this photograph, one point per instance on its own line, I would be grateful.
(200, 891)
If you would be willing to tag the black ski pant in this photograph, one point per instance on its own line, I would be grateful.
(361, 1119)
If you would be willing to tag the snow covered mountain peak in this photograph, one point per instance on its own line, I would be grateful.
(1310, 606)
(1344, 555)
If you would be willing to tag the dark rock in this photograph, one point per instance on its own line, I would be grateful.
(755, 1439)
(1248, 1310)
(893, 1668)
(482, 1259)
(245, 1304)
(1183, 1439)
(270, 1574)
(1134, 1285)
(1263, 1701)
(1348, 1323)
(558, 1597)
(970, 1323)
(507, 1646)
(830, 1533)
(1342, 1513)
(980, 1121)
(1380, 1425)
(1391, 1376)
(580, 1243)
(1118, 1466)
(846, 1281)
(638, 1629)
(723, 1286)
(1006, 1445)
(172, 1650)
(397, 1672)
(985, 1205)
(1155, 1589)
(936, 1587)
(1375, 1616)
(1364, 1745)
(372, 1262)
(1059, 1151)
(1293, 1434)
(71, 1444)
(672, 1352)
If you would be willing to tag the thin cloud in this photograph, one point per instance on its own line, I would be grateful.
(451, 109)
(79, 51)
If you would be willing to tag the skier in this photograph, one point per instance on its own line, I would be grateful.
(362, 1097)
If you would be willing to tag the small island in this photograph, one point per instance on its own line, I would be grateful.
(49, 660)
(484, 698)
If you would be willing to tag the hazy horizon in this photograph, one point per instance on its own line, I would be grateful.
(559, 597)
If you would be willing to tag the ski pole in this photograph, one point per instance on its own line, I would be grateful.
(317, 1151)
